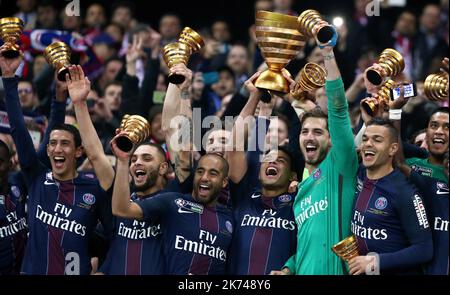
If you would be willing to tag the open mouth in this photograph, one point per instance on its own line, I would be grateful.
(140, 175)
(203, 189)
(271, 171)
(440, 142)
(311, 149)
(59, 161)
(368, 155)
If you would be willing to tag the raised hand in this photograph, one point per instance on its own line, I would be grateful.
(398, 103)
(135, 51)
(77, 84)
(181, 69)
(9, 65)
(121, 155)
(250, 83)
(62, 91)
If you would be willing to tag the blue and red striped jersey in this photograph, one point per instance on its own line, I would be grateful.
(13, 225)
(196, 238)
(389, 219)
(136, 248)
(435, 194)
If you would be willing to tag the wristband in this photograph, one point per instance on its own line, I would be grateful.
(395, 114)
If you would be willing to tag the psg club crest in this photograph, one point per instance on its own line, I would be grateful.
(317, 174)
(89, 199)
(381, 203)
(285, 198)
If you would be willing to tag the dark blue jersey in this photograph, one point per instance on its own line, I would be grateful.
(61, 215)
(435, 194)
(389, 218)
(13, 225)
(196, 238)
(265, 233)
(136, 248)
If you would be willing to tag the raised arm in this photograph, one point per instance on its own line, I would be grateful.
(27, 154)
(343, 147)
(237, 158)
(177, 103)
(79, 87)
(121, 205)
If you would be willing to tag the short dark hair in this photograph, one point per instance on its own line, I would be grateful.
(226, 69)
(226, 166)
(160, 150)
(71, 129)
(315, 113)
(25, 80)
(5, 146)
(393, 132)
(439, 110)
(126, 4)
(415, 134)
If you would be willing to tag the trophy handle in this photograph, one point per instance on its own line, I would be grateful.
(369, 107)
(62, 74)
(325, 34)
(176, 79)
(374, 77)
(124, 143)
(12, 51)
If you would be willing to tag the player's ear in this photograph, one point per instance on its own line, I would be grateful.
(225, 182)
(393, 149)
(79, 151)
(293, 176)
(163, 168)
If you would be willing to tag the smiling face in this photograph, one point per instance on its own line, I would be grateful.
(377, 147)
(314, 140)
(146, 167)
(209, 179)
(62, 153)
(437, 134)
(275, 171)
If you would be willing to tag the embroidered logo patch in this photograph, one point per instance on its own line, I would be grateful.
(89, 199)
(381, 203)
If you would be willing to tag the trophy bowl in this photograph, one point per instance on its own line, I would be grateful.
(311, 77)
(436, 87)
(135, 130)
(308, 19)
(57, 55)
(384, 94)
(280, 41)
(393, 64)
(10, 30)
(175, 53)
(347, 248)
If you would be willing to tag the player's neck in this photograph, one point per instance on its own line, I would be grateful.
(310, 167)
(436, 160)
(271, 193)
(380, 171)
(65, 177)
(159, 185)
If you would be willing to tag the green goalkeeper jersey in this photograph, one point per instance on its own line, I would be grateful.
(324, 201)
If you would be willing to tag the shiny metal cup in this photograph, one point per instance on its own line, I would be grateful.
(384, 94)
(10, 30)
(179, 52)
(393, 64)
(280, 41)
(57, 55)
(347, 248)
(311, 77)
(436, 86)
(136, 130)
(308, 19)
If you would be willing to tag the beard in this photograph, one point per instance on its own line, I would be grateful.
(150, 182)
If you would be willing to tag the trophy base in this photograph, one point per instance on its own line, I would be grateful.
(62, 74)
(11, 53)
(325, 34)
(374, 77)
(273, 82)
(370, 108)
(176, 79)
(124, 144)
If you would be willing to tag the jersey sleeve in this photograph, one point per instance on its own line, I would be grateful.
(25, 149)
(158, 206)
(411, 211)
(105, 212)
(343, 149)
(290, 264)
